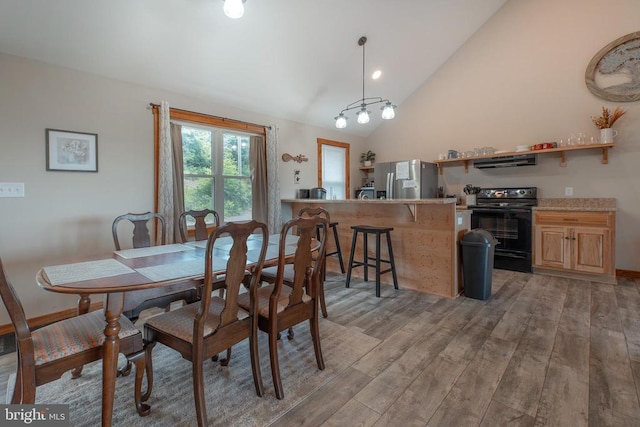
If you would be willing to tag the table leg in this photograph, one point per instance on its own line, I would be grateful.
(83, 307)
(111, 348)
(84, 303)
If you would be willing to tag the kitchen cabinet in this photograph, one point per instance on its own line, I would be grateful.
(576, 244)
(604, 148)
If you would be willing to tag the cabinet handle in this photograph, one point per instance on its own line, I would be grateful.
(567, 238)
(569, 219)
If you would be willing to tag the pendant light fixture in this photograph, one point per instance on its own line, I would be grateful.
(233, 8)
(388, 109)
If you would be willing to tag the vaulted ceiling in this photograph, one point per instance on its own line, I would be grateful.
(294, 59)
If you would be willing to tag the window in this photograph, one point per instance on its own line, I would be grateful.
(333, 168)
(224, 166)
(217, 171)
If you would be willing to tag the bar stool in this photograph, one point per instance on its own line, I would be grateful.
(377, 231)
(337, 252)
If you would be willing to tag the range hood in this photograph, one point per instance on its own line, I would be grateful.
(505, 161)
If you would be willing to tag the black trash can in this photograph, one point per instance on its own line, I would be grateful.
(478, 249)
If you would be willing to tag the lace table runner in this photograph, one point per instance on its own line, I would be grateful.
(69, 273)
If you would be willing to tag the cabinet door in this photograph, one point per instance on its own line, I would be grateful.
(553, 247)
(590, 244)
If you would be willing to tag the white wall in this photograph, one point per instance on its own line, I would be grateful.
(68, 215)
(520, 80)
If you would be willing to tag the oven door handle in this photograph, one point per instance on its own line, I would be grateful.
(500, 211)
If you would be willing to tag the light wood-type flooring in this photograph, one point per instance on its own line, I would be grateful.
(541, 351)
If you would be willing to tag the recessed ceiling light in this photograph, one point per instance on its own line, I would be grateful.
(376, 74)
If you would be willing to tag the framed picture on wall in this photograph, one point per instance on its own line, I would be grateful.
(72, 151)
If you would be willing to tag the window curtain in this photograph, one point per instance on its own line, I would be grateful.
(165, 170)
(259, 194)
(170, 174)
(178, 180)
(273, 183)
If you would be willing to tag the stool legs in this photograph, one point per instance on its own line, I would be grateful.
(365, 257)
(377, 265)
(391, 261)
(354, 240)
(338, 250)
(365, 263)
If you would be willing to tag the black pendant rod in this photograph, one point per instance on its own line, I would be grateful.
(361, 42)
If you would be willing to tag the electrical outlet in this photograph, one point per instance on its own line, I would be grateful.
(11, 189)
(296, 176)
(568, 191)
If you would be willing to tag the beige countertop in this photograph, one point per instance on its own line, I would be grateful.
(443, 201)
(577, 204)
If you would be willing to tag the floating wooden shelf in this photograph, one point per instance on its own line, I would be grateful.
(562, 150)
(366, 170)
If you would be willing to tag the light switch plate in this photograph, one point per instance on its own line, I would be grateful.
(568, 191)
(11, 189)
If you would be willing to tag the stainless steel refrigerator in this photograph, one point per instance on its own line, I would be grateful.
(409, 179)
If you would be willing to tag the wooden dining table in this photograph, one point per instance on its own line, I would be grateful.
(132, 270)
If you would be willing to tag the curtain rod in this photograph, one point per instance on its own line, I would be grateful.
(217, 117)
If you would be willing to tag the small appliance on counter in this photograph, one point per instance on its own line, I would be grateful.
(366, 193)
(317, 193)
(302, 194)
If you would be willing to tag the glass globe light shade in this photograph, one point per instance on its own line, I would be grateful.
(233, 8)
(341, 121)
(363, 116)
(388, 111)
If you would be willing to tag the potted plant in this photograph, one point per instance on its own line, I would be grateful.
(367, 158)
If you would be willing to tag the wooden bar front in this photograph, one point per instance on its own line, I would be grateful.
(423, 238)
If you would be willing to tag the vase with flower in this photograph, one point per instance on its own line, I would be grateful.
(605, 123)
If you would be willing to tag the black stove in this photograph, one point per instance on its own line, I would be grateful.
(507, 214)
(507, 197)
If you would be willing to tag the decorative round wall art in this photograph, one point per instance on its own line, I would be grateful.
(614, 72)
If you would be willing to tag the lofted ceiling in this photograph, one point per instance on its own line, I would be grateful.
(294, 59)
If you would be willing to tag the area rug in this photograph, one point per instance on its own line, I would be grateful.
(230, 393)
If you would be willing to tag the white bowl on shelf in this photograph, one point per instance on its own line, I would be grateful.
(523, 148)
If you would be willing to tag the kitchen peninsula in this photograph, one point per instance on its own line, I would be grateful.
(424, 238)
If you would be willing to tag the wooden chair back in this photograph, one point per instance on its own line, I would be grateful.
(308, 212)
(306, 265)
(201, 232)
(24, 343)
(141, 234)
(235, 271)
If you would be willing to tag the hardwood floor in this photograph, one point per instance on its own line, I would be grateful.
(541, 351)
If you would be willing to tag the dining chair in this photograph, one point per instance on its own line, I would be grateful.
(200, 226)
(201, 232)
(46, 353)
(281, 307)
(141, 234)
(138, 301)
(203, 329)
(269, 273)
